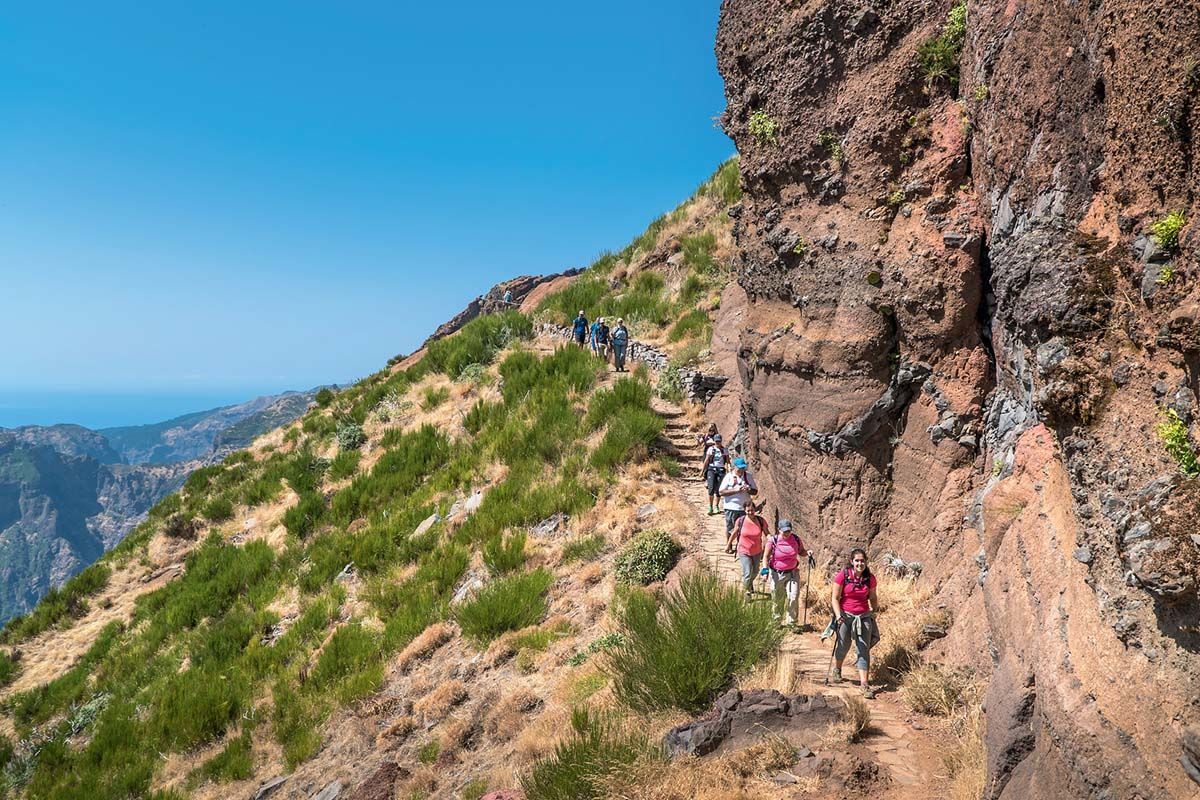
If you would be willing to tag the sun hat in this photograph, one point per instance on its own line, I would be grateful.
(785, 525)
(740, 463)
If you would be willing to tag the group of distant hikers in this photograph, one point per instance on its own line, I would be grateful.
(777, 557)
(606, 342)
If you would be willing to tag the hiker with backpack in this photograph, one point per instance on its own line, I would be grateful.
(706, 438)
(736, 490)
(854, 604)
(620, 341)
(579, 329)
(713, 470)
(601, 335)
(782, 559)
(749, 532)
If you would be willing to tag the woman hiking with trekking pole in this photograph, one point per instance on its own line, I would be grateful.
(854, 606)
(784, 551)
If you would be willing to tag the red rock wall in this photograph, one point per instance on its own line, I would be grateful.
(950, 353)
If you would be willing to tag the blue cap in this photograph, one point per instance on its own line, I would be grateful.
(785, 525)
(740, 463)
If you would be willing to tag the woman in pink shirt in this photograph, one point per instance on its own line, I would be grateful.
(854, 604)
(749, 531)
(784, 551)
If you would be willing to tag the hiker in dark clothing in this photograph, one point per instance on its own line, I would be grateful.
(620, 341)
(602, 339)
(579, 329)
(713, 470)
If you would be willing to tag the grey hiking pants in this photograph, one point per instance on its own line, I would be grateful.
(749, 570)
(785, 594)
(618, 355)
(860, 630)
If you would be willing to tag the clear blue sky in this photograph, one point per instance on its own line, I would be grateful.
(246, 197)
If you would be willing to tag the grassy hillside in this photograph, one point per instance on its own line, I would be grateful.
(400, 516)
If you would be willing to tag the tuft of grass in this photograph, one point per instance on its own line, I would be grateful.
(682, 649)
(434, 396)
(1174, 434)
(599, 747)
(58, 605)
(234, 763)
(473, 789)
(538, 639)
(763, 128)
(938, 57)
(725, 184)
(646, 558)
(854, 722)
(429, 751)
(344, 464)
(507, 604)
(929, 689)
(966, 757)
(583, 548)
(505, 554)
(693, 323)
(324, 397)
(829, 142)
(1165, 231)
(218, 509)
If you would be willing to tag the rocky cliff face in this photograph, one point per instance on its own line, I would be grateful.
(959, 342)
(60, 511)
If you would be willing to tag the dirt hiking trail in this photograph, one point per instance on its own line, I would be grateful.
(910, 755)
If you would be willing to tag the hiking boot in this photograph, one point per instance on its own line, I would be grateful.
(868, 693)
(835, 675)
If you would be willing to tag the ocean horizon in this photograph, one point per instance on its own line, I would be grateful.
(110, 409)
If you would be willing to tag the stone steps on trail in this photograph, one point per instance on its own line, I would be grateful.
(803, 660)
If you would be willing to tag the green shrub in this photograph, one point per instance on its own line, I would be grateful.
(433, 397)
(506, 604)
(477, 342)
(218, 509)
(234, 763)
(681, 650)
(763, 128)
(693, 323)
(350, 436)
(606, 642)
(627, 438)
(473, 789)
(472, 373)
(938, 57)
(349, 652)
(302, 518)
(538, 639)
(196, 706)
(598, 748)
(1165, 231)
(505, 554)
(646, 558)
(697, 252)
(344, 464)
(480, 415)
(629, 393)
(429, 751)
(1174, 434)
(324, 397)
(9, 668)
(583, 548)
(670, 385)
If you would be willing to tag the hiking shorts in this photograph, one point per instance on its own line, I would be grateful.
(731, 516)
(580, 338)
(714, 477)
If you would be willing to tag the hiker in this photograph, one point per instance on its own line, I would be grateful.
(713, 470)
(749, 531)
(602, 339)
(592, 337)
(782, 557)
(507, 296)
(706, 438)
(854, 604)
(580, 329)
(736, 490)
(620, 341)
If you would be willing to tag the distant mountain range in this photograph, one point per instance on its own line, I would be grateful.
(69, 493)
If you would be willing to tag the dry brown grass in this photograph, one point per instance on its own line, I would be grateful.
(743, 775)
(768, 754)
(399, 728)
(856, 719)
(424, 645)
(437, 704)
(511, 714)
(929, 689)
(966, 758)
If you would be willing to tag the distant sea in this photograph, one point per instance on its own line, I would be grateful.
(112, 409)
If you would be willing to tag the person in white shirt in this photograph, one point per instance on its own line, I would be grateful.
(713, 469)
(737, 489)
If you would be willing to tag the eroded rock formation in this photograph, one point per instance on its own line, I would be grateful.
(959, 342)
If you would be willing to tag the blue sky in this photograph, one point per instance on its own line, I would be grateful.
(247, 197)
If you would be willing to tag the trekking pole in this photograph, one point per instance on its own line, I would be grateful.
(807, 575)
(829, 669)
